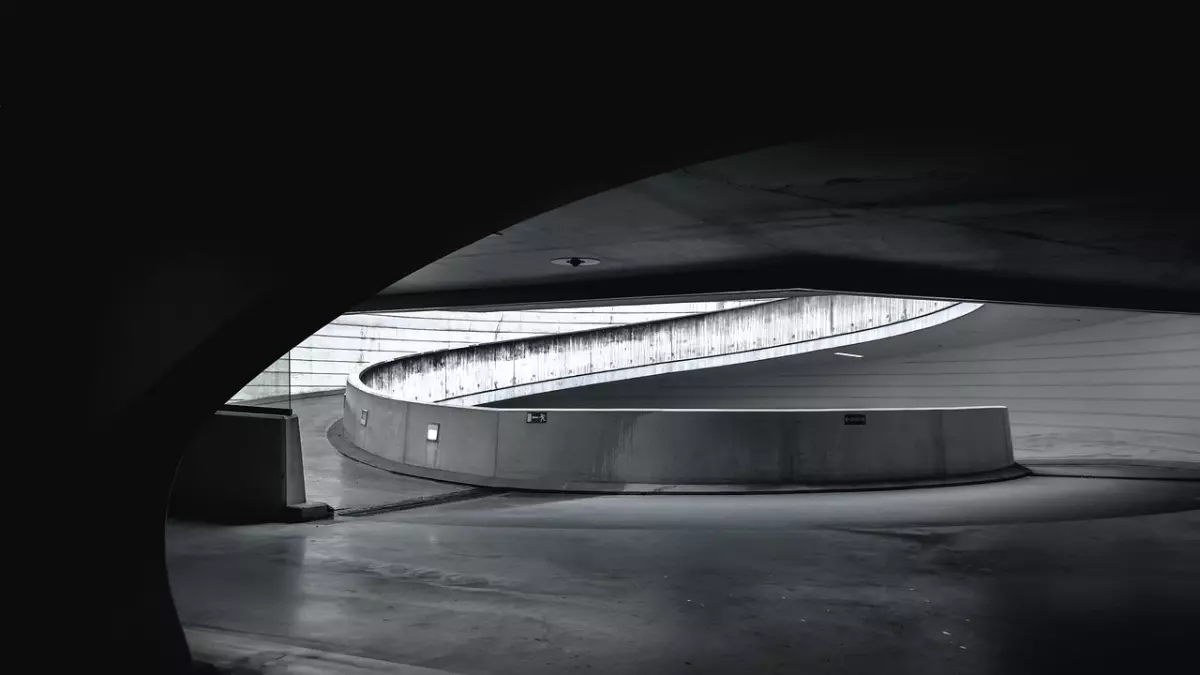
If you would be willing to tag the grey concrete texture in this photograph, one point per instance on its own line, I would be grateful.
(343, 483)
(241, 654)
(241, 467)
(1038, 575)
(818, 212)
(500, 370)
(501, 448)
(1079, 383)
(347, 448)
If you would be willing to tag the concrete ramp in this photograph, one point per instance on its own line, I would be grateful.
(417, 414)
(496, 371)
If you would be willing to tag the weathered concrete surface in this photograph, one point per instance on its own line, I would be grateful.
(580, 449)
(241, 467)
(843, 213)
(502, 370)
(346, 447)
(1033, 576)
(343, 483)
(239, 653)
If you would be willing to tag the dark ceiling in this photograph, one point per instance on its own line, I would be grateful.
(1076, 220)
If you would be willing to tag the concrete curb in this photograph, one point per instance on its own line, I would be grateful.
(1110, 461)
(1117, 472)
(417, 502)
(221, 650)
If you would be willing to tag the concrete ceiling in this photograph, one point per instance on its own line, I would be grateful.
(935, 214)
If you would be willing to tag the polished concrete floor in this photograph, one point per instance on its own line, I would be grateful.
(1042, 574)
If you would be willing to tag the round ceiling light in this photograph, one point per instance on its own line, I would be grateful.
(575, 262)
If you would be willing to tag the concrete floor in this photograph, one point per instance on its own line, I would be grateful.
(1041, 574)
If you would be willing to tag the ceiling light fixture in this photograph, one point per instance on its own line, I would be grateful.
(853, 356)
(575, 261)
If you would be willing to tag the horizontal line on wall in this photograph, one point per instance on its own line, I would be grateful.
(1154, 319)
(299, 360)
(523, 334)
(1093, 342)
(350, 349)
(739, 385)
(969, 372)
(551, 323)
(1000, 400)
(1035, 448)
(389, 339)
(1100, 428)
(399, 354)
(293, 385)
(364, 349)
(1015, 397)
(1134, 444)
(468, 330)
(509, 329)
(1059, 358)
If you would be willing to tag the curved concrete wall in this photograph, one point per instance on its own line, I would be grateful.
(502, 370)
(612, 449)
(352, 341)
(1120, 386)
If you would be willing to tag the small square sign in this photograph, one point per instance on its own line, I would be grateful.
(855, 420)
(535, 418)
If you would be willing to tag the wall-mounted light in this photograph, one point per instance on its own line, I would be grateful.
(431, 433)
(853, 356)
(575, 261)
(362, 417)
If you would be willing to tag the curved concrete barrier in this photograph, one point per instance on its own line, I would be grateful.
(500, 370)
(606, 449)
(392, 409)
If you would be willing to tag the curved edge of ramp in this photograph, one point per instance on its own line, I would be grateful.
(496, 371)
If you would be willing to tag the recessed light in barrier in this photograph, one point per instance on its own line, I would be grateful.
(431, 433)
(575, 261)
(853, 356)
